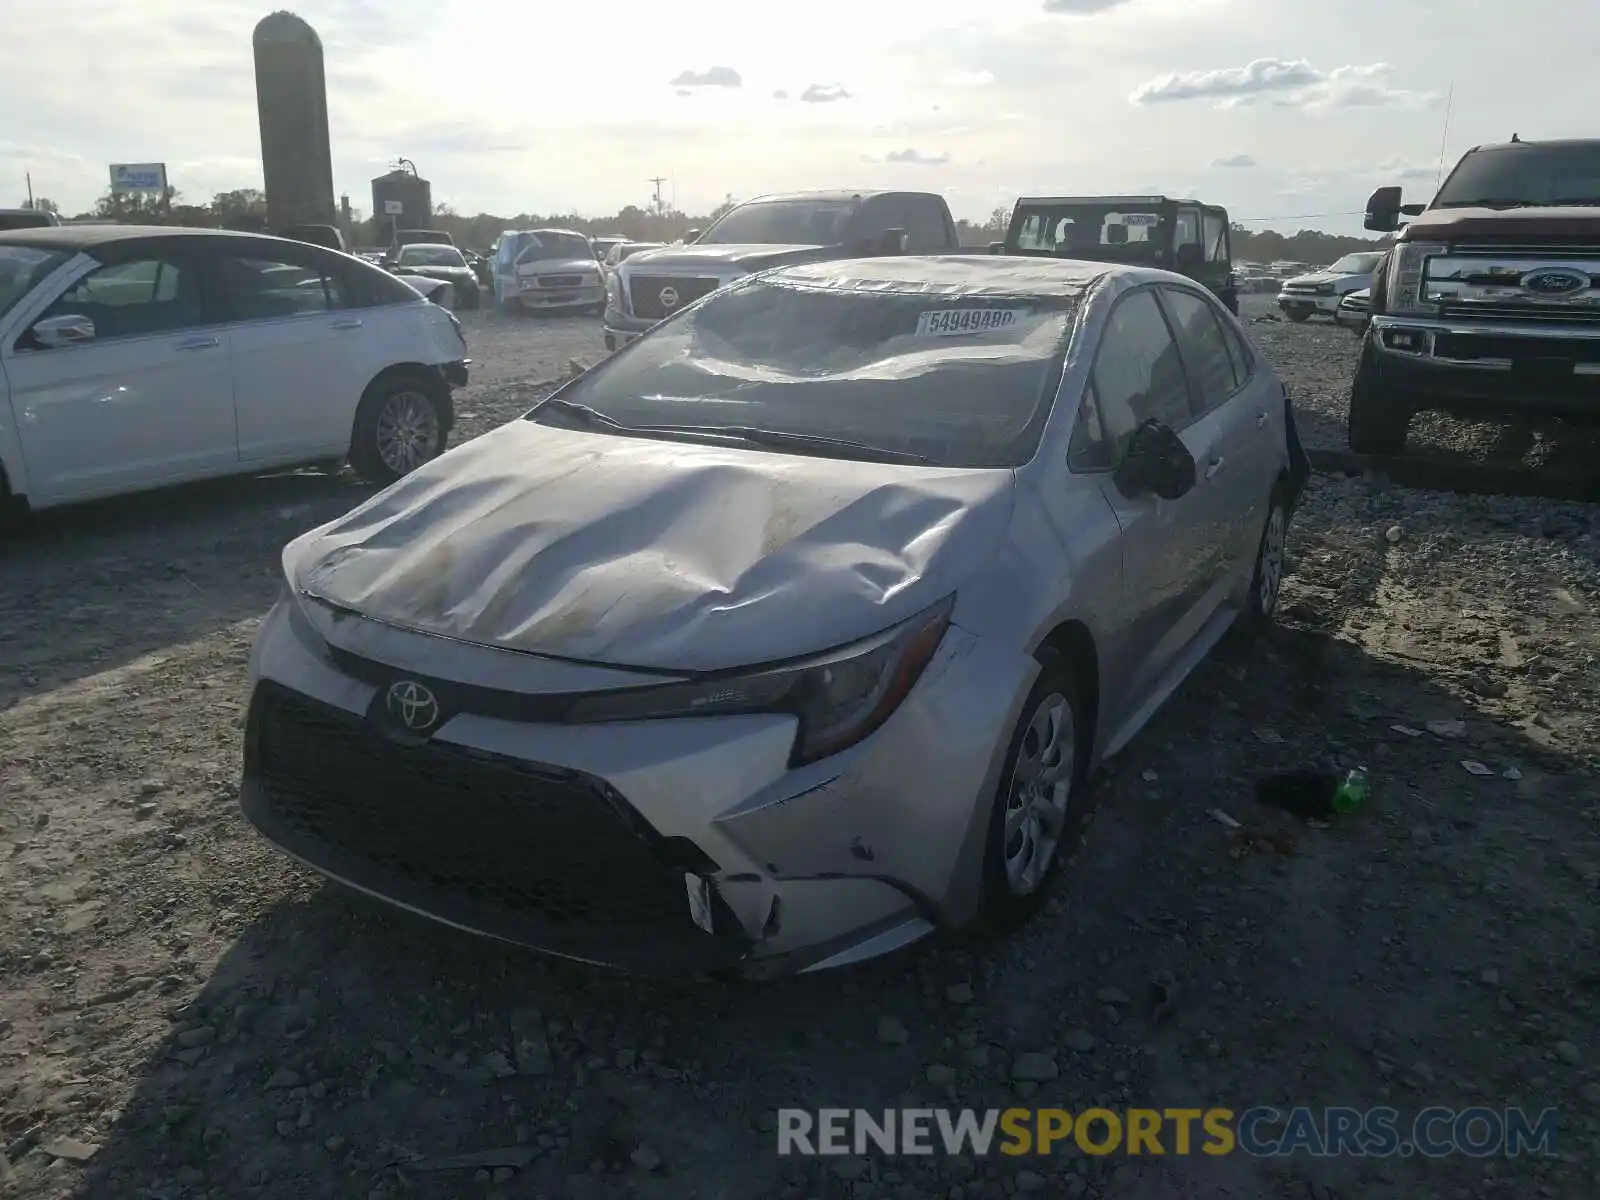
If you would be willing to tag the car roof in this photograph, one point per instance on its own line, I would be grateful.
(1547, 144)
(1102, 201)
(88, 237)
(831, 194)
(964, 274)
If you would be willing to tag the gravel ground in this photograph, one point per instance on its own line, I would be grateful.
(197, 1018)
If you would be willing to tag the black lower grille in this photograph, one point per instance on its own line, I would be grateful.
(658, 296)
(1481, 345)
(1514, 313)
(545, 856)
(560, 281)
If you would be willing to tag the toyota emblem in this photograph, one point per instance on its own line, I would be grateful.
(669, 297)
(1555, 282)
(412, 705)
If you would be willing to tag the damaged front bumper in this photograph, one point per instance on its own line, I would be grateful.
(677, 846)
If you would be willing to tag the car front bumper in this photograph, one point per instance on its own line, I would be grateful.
(602, 843)
(456, 373)
(538, 298)
(1300, 302)
(1352, 318)
(621, 328)
(1510, 368)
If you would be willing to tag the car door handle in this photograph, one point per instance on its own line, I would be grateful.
(199, 343)
(348, 323)
(1213, 467)
(1261, 420)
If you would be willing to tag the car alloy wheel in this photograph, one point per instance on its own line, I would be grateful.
(1038, 792)
(1269, 562)
(407, 431)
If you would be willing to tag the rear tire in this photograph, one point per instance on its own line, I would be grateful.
(1032, 812)
(1266, 581)
(402, 422)
(1298, 315)
(1378, 418)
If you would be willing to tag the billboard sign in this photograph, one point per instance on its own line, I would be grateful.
(139, 177)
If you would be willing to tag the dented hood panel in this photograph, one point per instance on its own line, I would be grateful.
(655, 554)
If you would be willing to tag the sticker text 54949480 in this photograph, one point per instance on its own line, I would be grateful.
(950, 322)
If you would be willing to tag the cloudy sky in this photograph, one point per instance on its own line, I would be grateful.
(1275, 108)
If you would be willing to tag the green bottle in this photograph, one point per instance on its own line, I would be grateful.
(1351, 793)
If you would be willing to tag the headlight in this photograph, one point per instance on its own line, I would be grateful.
(840, 697)
(1406, 271)
(300, 624)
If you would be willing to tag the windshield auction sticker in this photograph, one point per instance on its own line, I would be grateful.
(953, 322)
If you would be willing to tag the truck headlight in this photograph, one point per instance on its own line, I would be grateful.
(840, 697)
(1408, 268)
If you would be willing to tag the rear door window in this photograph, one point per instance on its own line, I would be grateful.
(1204, 346)
(270, 288)
(1137, 368)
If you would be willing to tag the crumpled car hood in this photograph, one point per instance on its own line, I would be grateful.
(557, 266)
(665, 555)
(748, 258)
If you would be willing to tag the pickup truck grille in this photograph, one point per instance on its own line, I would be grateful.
(560, 281)
(650, 294)
(1504, 285)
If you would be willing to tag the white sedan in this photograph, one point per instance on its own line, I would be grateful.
(136, 357)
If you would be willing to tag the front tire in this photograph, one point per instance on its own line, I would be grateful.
(1379, 419)
(1298, 315)
(402, 423)
(1046, 767)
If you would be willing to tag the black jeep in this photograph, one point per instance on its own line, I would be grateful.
(1185, 236)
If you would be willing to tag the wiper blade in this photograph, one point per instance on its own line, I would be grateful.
(581, 412)
(780, 440)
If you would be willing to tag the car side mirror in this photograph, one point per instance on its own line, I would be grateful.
(1157, 462)
(69, 329)
(997, 247)
(891, 241)
(1383, 210)
(692, 237)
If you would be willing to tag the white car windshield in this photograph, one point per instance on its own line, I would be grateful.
(962, 381)
(555, 246)
(1357, 264)
(431, 256)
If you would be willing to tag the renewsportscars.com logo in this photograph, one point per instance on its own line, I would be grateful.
(1262, 1132)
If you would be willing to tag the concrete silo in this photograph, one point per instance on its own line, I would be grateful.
(292, 101)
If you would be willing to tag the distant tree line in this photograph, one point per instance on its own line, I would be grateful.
(246, 208)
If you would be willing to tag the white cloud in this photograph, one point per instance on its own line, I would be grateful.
(824, 93)
(1081, 8)
(1239, 161)
(917, 158)
(1295, 84)
(711, 77)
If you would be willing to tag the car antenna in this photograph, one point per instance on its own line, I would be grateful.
(1444, 135)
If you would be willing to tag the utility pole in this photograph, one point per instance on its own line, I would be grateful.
(660, 206)
(29, 177)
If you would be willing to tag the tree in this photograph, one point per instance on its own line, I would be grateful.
(999, 221)
(721, 210)
(135, 206)
(43, 204)
(239, 208)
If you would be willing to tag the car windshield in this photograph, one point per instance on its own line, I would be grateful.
(431, 256)
(1091, 231)
(964, 381)
(1357, 264)
(21, 269)
(782, 223)
(555, 245)
(1526, 174)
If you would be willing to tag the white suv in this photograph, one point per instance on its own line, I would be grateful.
(135, 357)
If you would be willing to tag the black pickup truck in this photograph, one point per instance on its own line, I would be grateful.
(1488, 303)
(772, 231)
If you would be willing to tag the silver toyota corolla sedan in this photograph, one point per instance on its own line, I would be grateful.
(787, 634)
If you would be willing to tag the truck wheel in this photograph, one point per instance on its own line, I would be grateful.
(1378, 418)
(1297, 315)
